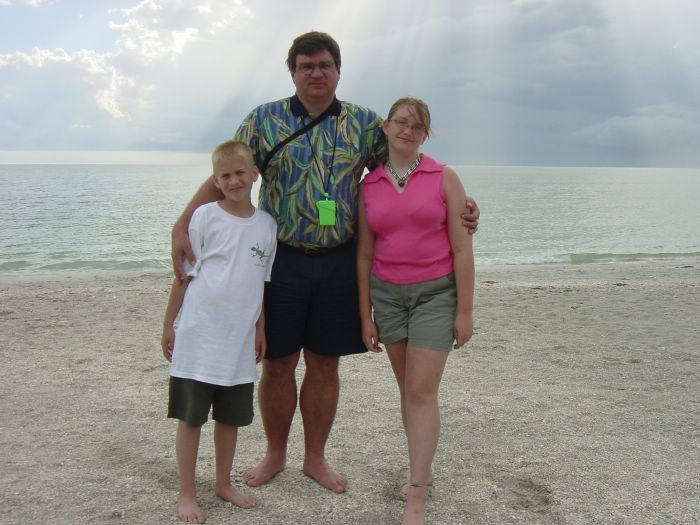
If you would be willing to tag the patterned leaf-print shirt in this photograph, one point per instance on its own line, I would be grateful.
(330, 157)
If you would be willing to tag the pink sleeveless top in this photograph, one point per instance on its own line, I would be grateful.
(411, 241)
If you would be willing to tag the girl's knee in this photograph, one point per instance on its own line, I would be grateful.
(420, 394)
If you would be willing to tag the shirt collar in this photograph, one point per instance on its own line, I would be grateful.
(298, 109)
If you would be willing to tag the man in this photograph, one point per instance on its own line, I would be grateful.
(310, 186)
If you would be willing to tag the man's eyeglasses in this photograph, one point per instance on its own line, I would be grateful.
(404, 125)
(307, 68)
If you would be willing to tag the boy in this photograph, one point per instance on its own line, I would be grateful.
(221, 330)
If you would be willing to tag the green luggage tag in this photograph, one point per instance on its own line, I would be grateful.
(326, 211)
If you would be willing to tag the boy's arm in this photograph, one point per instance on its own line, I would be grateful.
(180, 240)
(462, 254)
(177, 295)
(260, 339)
(365, 251)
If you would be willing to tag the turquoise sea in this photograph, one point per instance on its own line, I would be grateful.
(101, 217)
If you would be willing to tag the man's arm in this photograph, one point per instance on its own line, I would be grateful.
(180, 240)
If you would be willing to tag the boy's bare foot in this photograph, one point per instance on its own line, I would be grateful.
(189, 511)
(325, 476)
(264, 471)
(235, 497)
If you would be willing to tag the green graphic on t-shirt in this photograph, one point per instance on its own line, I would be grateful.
(255, 251)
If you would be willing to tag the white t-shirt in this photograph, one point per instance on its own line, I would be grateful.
(215, 335)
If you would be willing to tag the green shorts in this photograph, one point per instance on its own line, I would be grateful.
(191, 400)
(423, 313)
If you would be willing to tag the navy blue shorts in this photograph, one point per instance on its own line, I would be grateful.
(311, 302)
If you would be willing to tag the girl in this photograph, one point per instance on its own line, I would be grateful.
(415, 268)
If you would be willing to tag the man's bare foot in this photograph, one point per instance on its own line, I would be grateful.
(264, 471)
(414, 511)
(235, 497)
(189, 511)
(325, 476)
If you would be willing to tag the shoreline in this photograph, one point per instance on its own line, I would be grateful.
(576, 401)
(34, 276)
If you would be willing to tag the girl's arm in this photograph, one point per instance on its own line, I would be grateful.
(365, 251)
(177, 295)
(462, 254)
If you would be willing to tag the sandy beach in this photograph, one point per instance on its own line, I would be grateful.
(576, 401)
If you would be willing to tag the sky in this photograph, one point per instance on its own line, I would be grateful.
(517, 82)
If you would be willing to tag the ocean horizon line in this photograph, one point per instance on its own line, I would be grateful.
(193, 158)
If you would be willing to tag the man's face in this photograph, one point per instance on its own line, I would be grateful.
(316, 76)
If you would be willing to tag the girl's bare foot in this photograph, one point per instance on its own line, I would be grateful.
(189, 511)
(404, 487)
(414, 511)
(235, 497)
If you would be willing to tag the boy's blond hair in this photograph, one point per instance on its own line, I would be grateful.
(231, 148)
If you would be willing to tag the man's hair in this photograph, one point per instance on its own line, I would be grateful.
(418, 106)
(231, 148)
(310, 44)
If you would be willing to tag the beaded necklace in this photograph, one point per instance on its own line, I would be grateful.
(401, 179)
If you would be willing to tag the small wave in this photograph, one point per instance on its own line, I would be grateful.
(588, 258)
(578, 258)
(513, 259)
(146, 264)
(15, 266)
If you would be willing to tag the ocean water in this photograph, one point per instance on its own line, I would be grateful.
(99, 217)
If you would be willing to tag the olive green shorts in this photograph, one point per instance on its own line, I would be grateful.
(423, 313)
(191, 400)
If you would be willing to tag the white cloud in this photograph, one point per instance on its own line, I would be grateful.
(37, 58)
(160, 31)
(96, 68)
(152, 31)
(32, 3)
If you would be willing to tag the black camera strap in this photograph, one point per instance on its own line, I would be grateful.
(294, 135)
